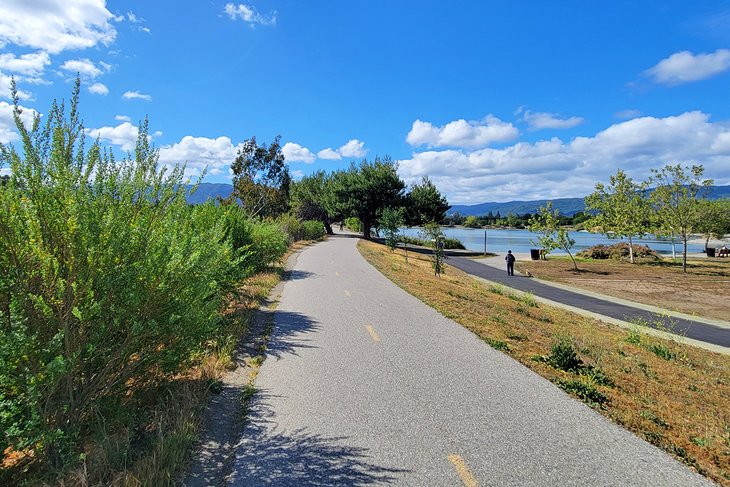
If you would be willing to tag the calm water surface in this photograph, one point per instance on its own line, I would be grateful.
(499, 241)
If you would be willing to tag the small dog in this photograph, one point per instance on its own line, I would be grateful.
(528, 274)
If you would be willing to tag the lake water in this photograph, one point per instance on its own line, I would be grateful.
(499, 241)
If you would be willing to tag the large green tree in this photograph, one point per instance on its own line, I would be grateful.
(425, 204)
(622, 209)
(261, 180)
(546, 223)
(313, 198)
(368, 187)
(676, 199)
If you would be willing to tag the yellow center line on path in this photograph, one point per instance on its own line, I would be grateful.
(466, 476)
(347, 293)
(373, 335)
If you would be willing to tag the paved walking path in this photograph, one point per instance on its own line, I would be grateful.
(708, 331)
(364, 384)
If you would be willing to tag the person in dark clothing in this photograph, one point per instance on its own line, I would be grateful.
(510, 258)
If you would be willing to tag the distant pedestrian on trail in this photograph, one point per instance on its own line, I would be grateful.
(510, 258)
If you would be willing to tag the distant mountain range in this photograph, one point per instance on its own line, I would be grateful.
(208, 191)
(567, 206)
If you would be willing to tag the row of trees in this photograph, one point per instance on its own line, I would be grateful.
(373, 192)
(263, 188)
(512, 220)
(676, 207)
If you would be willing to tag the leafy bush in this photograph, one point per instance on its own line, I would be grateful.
(301, 230)
(291, 225)
(618, 251)
(563, 355)
(312, 230)
(353, 224)
(108, 280)
(269, 243)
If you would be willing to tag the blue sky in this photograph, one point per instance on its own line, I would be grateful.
(493, 100)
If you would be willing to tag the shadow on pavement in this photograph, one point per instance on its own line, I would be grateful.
(289, 333)
(295, 275)
(298, 458)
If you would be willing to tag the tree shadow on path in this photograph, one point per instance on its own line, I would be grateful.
(299, 458)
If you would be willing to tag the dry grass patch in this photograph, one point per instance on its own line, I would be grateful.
(660, 283)
(673, 395)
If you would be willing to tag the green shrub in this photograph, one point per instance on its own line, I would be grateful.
(617, 251)
(291, 225)
(312, 230)
(108, 280)
(563, 355)
(269, 243)
(353, 224)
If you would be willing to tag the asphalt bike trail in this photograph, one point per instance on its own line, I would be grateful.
(363, 384)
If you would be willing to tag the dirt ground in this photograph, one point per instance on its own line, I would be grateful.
(703, 291)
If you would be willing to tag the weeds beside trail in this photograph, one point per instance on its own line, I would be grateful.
(673, 395)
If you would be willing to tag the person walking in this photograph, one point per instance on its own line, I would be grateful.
(510, 258)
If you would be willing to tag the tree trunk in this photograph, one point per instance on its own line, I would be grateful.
(328, 228)
(684, 253)
(575, 264)
(631, 250)
(366, 225)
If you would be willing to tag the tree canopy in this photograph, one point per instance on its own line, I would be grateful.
(622, 209)
(261, 180)
(676, 201)
(425, 204)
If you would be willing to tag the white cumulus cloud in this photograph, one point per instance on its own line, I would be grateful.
(136, 95)
(555, 168)
(462, 134)
(124, 135)
(544, 120)
(56, 25)
(685, 67)
(329, 154)
(248, 14)
(201, 152)
(85, 67)
(352, 148)
(98, 89)
(32, 64)
(123, 118)
(296, 153)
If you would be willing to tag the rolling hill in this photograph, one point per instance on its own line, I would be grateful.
(567, 206)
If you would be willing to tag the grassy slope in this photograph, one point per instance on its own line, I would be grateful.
(674, 396)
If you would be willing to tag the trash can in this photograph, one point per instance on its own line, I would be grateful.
(535, 254)
(710, 251)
